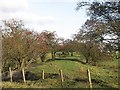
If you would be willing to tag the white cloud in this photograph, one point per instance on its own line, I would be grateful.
(13, 5)
(38, 1)
(19, 9)
(28, 18)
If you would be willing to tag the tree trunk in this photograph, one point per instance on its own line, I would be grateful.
(53, 55)
(87, 60)
(42, 60)
(22, 64)
(119, 51)
(71, 53)
(94, 63)
(42, 57)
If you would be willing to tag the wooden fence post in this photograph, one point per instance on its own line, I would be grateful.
(23, 73)
(43, 75)
(61, 75)
(0, 76)
(10, 74)
(89, 78)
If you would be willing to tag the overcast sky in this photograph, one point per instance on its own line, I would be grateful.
(51, 15)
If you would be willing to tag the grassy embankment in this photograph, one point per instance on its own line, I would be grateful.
(104, 75)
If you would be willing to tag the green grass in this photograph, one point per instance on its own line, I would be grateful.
(104, 75)
(70, 68)
(19, 85)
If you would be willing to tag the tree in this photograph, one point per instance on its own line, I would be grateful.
(50, 40)
(108, 14)
(70, 46)
(42, 47)
(19, 45)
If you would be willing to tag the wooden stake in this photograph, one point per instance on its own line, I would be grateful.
(43, 75)
(0, 75)
(89, 78)
(1, 54)
(10, 74)
(23, 73)
(61, 75)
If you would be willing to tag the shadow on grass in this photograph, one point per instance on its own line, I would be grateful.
(54, 76)
(101, 83)
(17, 76)
(68, 59)
(94, 81)
(77, 79)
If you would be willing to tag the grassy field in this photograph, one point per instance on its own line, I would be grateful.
(104, 75)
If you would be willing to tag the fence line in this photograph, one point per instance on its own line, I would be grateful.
(43, 76)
